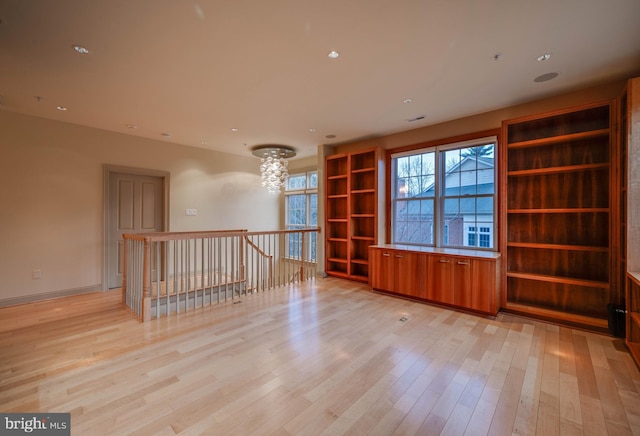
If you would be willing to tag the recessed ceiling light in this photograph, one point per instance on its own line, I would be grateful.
(61, 108)
(80, 49)
(203, 142)
(233, 129)
(330, 136)
(132, 126)
(312, 130)
(407, 101)
(543, 57)
(333, 54)
(545, 77)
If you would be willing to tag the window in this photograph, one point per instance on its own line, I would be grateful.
(301, 211)
(445, 196)
(472, 237)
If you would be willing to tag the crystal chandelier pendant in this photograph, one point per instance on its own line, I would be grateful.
(274, 170)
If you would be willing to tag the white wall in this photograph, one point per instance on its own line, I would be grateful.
(51, 199)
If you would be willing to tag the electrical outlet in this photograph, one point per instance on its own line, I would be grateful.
(36, 274)
(191, 212)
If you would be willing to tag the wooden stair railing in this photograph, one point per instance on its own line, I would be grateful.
(172, 272)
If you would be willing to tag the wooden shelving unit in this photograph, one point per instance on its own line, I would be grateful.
(630, 228)
(633, 315)
(561, 198)
(336, 207)
(351, 213)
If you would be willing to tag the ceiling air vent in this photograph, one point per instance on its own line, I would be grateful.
(411, 120)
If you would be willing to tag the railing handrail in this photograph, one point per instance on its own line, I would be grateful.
(255, 247)
(166, 236)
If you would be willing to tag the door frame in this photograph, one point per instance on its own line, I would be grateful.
(108, 171)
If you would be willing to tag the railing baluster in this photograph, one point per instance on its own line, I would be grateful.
(234, 265)
(165, 272)
(210, 268)
(157, 254)
(176, 271)
(219, 273)
(201, 274)
(287, 273)
(253, 269)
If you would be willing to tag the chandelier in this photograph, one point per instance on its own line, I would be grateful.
(273, 166)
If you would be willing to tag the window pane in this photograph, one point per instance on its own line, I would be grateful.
(294, 244)
(313, 210)
(402, 208)
(471, 241)
(414, 220)
(296, 181)
(296, 209)
(313, 246)
(454, 221)
(485, 240)
(313, 180)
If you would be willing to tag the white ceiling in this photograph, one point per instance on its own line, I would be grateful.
(197, 69)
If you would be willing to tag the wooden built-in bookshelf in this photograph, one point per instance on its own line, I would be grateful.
(561, 206)
(351, 212)
(630, 195)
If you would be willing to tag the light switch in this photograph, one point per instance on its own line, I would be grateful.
(191, 212)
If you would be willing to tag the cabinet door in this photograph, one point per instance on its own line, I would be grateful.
(382, 269)
(462, 285)
(483, 285)
(443, 287)
(410, 274)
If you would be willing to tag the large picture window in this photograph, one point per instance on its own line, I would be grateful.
(301, 211)
(445, 196)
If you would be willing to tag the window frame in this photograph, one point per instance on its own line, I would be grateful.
(439, 148)
(308, 191)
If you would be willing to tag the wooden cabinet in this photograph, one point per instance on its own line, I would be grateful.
(465, 282)
(465, 279)
(485, 282)
(560, 171)
(351, 213)
(383, 269)
(399, 271)
(443, 286)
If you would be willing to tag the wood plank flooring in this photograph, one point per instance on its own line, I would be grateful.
(324, 357)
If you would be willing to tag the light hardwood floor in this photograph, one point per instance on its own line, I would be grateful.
(325, 357)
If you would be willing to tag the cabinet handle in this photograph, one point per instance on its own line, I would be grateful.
(463, 263)
(386, 254)
(399, 256)
(445, 260)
